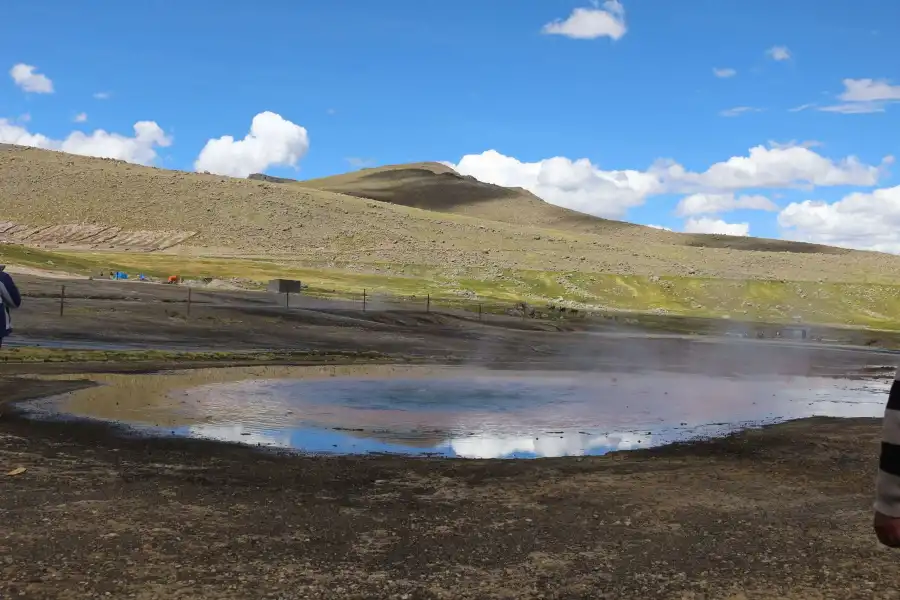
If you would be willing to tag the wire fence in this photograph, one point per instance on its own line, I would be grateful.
(189, 297)
(196, 299)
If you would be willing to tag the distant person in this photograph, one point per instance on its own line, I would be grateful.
(887, 486)
(9, 299)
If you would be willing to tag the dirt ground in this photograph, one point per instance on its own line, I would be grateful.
(778, 513)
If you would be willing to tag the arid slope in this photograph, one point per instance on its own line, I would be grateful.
(436, 187)
(295, 222)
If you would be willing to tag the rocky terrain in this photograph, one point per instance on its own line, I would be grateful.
(379, 216)
(91, 236)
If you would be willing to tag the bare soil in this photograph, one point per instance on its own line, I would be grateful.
(60, 200)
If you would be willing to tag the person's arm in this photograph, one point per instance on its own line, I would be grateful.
(9, 291)
(887, 485)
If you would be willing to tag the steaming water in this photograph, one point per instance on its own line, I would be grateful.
(481, 415)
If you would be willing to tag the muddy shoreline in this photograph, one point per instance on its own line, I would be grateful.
(781, 512)
(511, 417)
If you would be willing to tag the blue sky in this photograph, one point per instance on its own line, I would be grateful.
(401, 81)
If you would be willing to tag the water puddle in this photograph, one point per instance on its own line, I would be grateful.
(457, 412)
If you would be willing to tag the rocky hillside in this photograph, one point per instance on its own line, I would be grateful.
(436, 187)
(371, 216)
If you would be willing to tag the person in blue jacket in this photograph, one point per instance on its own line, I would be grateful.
(9, 299)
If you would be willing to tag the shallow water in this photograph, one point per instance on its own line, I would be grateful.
(476, 414)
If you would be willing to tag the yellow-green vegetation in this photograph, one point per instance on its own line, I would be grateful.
(867, 305)
(851, 304)
(12, 254)
(50, 355)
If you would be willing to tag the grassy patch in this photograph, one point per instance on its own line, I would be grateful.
(851, 304)
(51, 261)
(868, 305)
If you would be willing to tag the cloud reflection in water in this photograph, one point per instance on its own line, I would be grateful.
(481, 415)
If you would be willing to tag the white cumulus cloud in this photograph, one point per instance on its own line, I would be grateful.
(713, 204)
(272, 141)
(585, 187)
(862, 220)
(724, 73)
(591, 23)
(81, 118)
(140, 148)
(778, 166)
(717, 226)
(869, 90)
(779, 53)
(27, 78)
(575, 184)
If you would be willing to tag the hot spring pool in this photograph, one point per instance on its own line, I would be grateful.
(459, 412)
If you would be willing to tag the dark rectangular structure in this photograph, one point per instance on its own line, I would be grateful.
(795, 333)
(285, 286)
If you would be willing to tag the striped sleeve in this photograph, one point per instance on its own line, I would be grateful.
(887, 487)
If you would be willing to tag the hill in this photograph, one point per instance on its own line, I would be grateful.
(437, 187)
(372, 220)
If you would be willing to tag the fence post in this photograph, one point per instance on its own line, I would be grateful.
(428, 303)
(287, 299)
(479, 311)
(189, 302)
(62, 300)
(364, 300)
